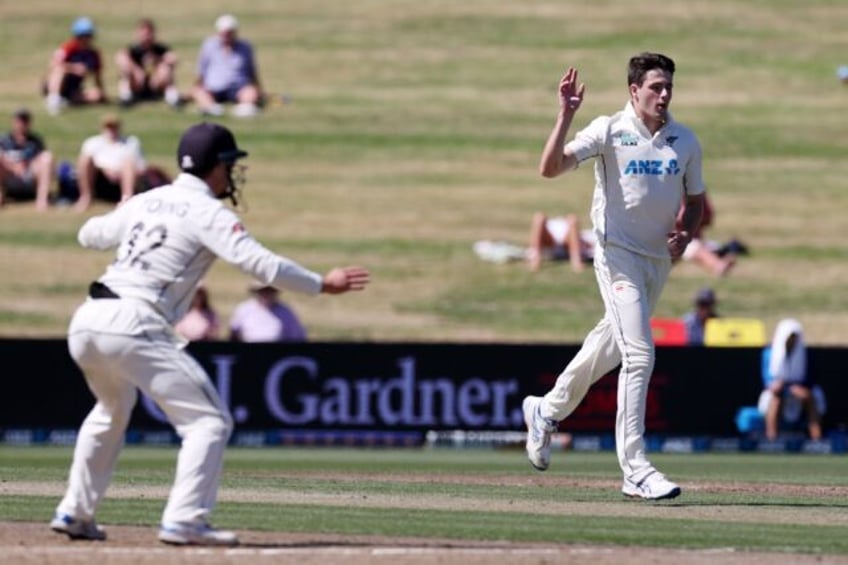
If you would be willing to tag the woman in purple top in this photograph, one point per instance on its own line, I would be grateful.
(263, 318)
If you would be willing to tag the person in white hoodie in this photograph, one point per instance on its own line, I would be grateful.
(788, 387)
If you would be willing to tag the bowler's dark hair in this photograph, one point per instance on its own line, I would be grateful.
(644, 62)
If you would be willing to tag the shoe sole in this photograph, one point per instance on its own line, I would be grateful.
(528, 423)
(199, 544)
(63, 531)
(673, 493)
(174, 539)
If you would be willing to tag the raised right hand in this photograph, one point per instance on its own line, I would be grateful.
(570, 93)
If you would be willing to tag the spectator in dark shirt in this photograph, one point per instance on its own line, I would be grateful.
(147, 68)
(73, 62)
(25, 164)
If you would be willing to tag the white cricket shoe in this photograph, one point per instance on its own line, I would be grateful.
(539, 432)
(195, 534)
(653, 487)
(77, 529)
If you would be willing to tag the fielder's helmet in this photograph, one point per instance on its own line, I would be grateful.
(204, 145)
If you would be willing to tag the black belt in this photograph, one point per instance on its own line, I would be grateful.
(99, 290)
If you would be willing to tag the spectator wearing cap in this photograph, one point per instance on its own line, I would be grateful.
(264, 318)
(110, 165)
(73, 62)
(26, 165)
(227, 73)
(696, 319)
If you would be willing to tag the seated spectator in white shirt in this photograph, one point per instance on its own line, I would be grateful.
(110, 165)
(264, 318)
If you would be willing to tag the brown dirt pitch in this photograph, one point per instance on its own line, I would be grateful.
(30, 544)
(33, 543)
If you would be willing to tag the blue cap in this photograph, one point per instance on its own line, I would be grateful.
(82, 26)
(705, 296)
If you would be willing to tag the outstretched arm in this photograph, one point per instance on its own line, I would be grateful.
(555, 160)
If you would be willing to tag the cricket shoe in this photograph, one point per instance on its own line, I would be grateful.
(196, 534)
(77, 529)
(653, 487)
(539, 432)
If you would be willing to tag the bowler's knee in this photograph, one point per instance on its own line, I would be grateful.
(640, 357)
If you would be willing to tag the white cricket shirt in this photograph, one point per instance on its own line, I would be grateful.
(167, 239)
(640, 179)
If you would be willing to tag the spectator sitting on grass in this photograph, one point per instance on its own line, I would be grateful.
(227, 72)
(73, 62)
(147, 68)
(559, 237)
(111, 166)
(26, 167)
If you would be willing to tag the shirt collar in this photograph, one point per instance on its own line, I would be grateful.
(191, 182)
(630, 113)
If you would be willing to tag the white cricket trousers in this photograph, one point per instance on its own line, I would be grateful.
(630, 285)
(122, 346)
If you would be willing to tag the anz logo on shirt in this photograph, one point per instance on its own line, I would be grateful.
(652, 168)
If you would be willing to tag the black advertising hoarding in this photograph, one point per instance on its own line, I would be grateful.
(412, 387)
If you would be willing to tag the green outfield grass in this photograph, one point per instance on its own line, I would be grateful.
(414, 129)
(784, 503)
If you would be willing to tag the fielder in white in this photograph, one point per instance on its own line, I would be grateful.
(646, 164)
(123, 339)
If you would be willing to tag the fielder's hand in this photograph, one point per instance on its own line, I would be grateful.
(344, 279)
